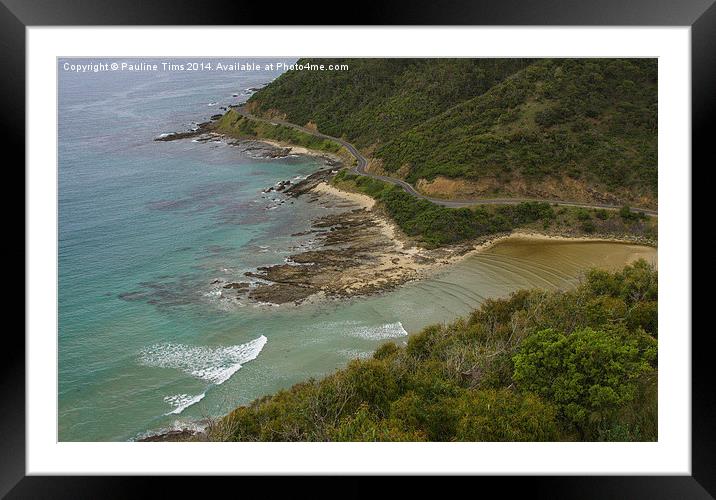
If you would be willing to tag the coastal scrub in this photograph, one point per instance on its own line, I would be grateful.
(537, 366)
(435, 225)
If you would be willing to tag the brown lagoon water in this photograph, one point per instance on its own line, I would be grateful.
(507, 266)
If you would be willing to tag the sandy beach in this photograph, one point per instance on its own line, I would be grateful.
(362, 200)
(299, 150)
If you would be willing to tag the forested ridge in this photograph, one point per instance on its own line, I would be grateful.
(536, 366)
(590, 123)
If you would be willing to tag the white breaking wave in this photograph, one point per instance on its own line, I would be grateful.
(215, 364)
(369, 332)
(181, 402)
(380, 332)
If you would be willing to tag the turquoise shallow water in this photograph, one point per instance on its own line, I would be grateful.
(146, 341)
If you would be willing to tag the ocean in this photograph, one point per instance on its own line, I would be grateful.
(147, 340)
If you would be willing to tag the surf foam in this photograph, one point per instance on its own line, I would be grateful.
(369, 332)
(380, 332)
(215, 364)
(181, 402)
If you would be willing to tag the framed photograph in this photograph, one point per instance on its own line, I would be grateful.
(429, 243)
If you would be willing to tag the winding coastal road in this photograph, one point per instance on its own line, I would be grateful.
(362, 163)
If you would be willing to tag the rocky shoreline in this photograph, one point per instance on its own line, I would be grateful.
(180, 432)
(255, 148)
(362, 252)
(357, 252)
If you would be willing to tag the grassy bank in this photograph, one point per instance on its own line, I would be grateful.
(235, 125)
(434, 225)
(537, 366)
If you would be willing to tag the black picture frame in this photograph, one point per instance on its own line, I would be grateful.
(700, 15)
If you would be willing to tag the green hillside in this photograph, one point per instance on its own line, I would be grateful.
(538, 366)
(378, 98)
(580, 129)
